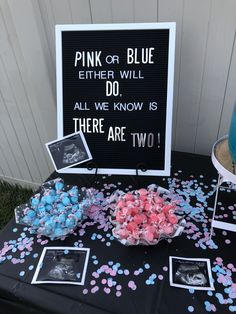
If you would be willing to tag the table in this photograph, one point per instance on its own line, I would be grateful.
(195, 179)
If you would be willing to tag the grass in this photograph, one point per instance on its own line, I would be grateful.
(10, 197)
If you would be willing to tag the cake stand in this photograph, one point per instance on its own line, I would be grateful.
(222, 161)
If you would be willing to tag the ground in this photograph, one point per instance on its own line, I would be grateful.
(10, 197)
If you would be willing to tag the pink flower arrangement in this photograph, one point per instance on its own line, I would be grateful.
(144, 217)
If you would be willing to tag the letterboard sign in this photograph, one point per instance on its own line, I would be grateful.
(115, 84)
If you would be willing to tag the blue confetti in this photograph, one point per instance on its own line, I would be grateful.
(190, 308)
(147, 266)
(115, 267)
(22, 273)
(153, 276)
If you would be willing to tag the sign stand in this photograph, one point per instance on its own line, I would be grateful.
(222, 161)
(91, 166)
(140, 167)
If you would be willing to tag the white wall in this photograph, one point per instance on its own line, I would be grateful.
(205, 72)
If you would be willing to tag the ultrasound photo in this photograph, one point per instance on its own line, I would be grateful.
(63, 265)
(191, 273)
(69, 151)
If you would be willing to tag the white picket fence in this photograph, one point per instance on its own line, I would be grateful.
(205, 72)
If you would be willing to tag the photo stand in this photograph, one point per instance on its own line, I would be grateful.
(223, 163)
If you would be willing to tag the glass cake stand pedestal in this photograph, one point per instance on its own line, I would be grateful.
(222, 161)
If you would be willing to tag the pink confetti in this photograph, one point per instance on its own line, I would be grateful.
(15, 261)
(132, 285)
(234, 287)
(104, 267)
(95, 289)
(113, 273)
(95, 275)
(107, 290)
(109, 282)
(213, 307)
(44, 242)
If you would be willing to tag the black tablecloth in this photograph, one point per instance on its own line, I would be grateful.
(194, 178)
